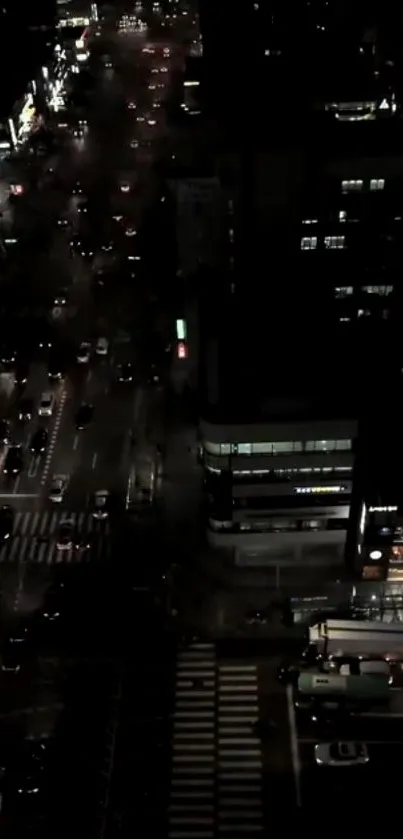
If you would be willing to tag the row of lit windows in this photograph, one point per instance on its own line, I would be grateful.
(279, 525)
(375, 185)
(287, 473)
(380, 290)
(310, 243)
(289, 447)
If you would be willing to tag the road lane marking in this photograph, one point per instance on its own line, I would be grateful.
(33, 469)
(75, 442)
(94, 460)
(20, 494)
(16, 485)
(296, 763)
(53, 437)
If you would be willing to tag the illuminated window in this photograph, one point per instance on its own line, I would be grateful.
(343, 291)
(351, 186)
(376, 184)
(327, 445)
(335, 242)
(381, 290)
(310, 221)
(309, 243)
(342, 215)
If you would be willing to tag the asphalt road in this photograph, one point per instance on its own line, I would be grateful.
(126, 127)
(71, 689)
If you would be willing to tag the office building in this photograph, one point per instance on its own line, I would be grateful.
(292, 348)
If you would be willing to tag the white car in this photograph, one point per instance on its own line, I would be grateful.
(58, 488)
(101, 499)
(125, 186)
(341, 754)
(134, 144)
(130, 231)
(65, 539)
(83, 354)
(102, 346)
(46, 404)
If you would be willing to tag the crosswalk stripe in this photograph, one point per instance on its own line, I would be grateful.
(35, 533)
(192, 801)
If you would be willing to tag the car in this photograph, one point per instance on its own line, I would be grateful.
(125, 372)
(83, 353)
(51, 612)
(78, 132)
(11, 656)
(62, 221)
(57, 488)
(124, 186)
(101, 504)
(256, 617)
(6, 522)
(8, 356)
(102, 346)
(30, 776)
(341, 754)
(77, 188)
(134, 144)
(21, 374)
(130, 231)
(26, 410)
(131, 106)
(84, 416)
(5, 432)
(82, 206)
(65, 539)
(14, 461)
(61, 298)
(39, 441)
(47, 404)
(55, 367)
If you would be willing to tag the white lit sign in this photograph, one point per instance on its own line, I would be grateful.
(320, 490)
(363, 518)
(80, 44)
(383, 509)
(74, 21)
(181, 330)
(375, 555)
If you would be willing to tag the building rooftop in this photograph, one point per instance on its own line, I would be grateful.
(278, 359)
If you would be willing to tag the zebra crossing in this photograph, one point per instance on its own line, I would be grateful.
(216, 770)
(35, 538)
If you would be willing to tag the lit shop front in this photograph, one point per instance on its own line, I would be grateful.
(381, 545)
(23, 121)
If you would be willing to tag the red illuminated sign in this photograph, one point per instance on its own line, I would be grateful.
(182, 350)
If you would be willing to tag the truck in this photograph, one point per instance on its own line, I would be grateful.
(357, 638)
(335, 686)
